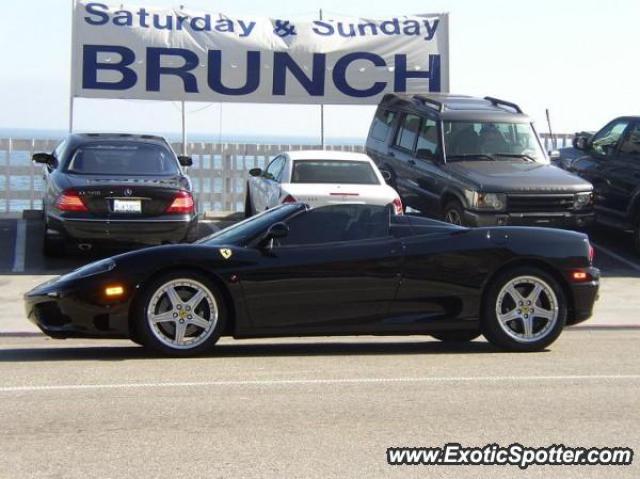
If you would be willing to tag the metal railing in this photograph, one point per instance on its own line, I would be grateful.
(219, 171)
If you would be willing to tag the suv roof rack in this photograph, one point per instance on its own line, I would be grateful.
(497, 101)
(430, 102)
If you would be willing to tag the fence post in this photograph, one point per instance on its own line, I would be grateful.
(7, 176)
(32, 192)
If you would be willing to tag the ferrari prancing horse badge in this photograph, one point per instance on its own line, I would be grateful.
(226, 253)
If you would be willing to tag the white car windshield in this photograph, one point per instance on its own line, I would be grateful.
(334, 171)
(492, 141)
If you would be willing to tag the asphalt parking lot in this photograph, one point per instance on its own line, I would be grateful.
(309, 408)
(321, 407)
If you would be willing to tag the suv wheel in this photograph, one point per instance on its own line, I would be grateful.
(453, 213)
(525, 310)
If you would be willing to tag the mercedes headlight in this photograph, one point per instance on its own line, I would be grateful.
(91, 269)
(582, 200)
(486, 201)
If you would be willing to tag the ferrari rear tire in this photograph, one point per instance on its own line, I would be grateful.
(456, 336)
(248, 206)
(525, 310)
(181, 313)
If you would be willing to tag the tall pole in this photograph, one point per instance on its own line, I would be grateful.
(321, 112)
(71, 89)
(184, 128)
(551, 137)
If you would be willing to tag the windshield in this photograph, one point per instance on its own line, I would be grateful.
(334, 171)
(241, 233)
(123, 158)
(492, 141)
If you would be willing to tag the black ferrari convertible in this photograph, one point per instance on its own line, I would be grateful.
(334, 270)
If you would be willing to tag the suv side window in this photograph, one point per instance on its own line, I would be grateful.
(428, 137)
(337, 223)
(382, 124)
(631, 145)
(407, 133)
(275, 168)
(605, 141)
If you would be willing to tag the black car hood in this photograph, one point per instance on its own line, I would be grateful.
(515, 176)
(80, 181)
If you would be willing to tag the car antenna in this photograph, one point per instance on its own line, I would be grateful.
(553, 140)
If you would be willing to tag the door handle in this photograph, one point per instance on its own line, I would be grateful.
(412, 162)
(392, 154)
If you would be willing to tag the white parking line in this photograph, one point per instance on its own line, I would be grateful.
(608, 252)
(20, 248)
(329, 381)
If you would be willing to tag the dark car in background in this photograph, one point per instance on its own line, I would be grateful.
(115, 189)
(610, 160)
(473, 162)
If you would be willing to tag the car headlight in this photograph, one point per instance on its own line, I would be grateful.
(486, 201)
(582, 200)
(91, 269)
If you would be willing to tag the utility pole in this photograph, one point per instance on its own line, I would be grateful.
(321, 112)
(184, 129)
(71, 92)
(553, 140)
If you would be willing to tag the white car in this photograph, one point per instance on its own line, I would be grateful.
(318, 178)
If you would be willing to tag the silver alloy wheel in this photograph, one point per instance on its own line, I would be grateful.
(527, 308)
(453, 216)
(182, 313)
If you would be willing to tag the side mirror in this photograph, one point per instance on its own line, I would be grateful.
(45, 159)
(185, 160)
(255, 171)
(275, 231)
(425, 154)
(554, 155)
(581, 141)
(386, 174)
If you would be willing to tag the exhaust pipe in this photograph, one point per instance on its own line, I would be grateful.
(85, 246)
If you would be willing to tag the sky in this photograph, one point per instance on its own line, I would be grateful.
(577, 58)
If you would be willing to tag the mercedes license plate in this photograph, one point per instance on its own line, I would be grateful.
(127, 206)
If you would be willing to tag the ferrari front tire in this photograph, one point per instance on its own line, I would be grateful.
(181, 313)
(525, 310)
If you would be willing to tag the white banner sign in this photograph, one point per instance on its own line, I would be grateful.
(180, 54)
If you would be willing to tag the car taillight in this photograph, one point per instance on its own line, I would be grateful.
(592, 254)
(397, 206)
(182, 203)
(70, 201)
(288, 199)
